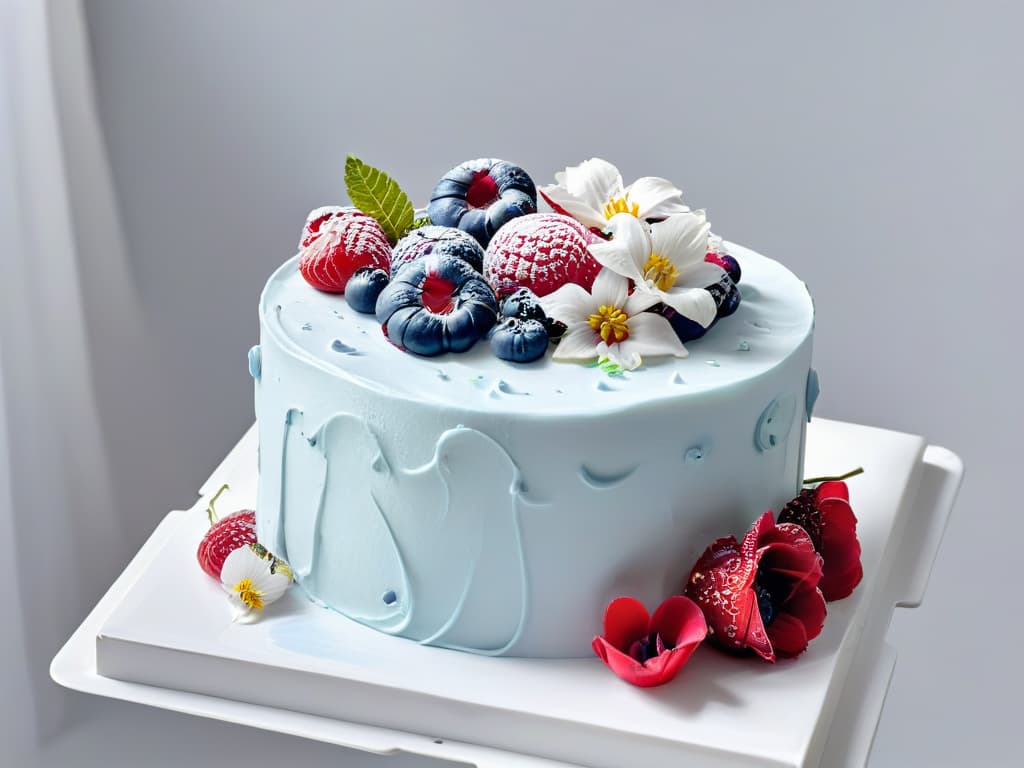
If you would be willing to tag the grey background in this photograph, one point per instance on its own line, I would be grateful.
(872, 147)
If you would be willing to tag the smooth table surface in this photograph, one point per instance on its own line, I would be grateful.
(307, 671)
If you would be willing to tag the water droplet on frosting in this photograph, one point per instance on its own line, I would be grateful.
(713, 363)
(604, 386)
(307, 326)
(760, 326)
(505, 388)
(743, 346)
(677, 378)
(341, 347)
(442, 375)
(380, 464)
(695, 454)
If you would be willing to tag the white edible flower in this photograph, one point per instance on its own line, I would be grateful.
(610, 323)
(592, 193)
(253, 582)
(664, 260)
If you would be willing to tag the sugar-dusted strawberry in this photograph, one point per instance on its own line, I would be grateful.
(316, 219)
(225, 535)
(338, 241)
(542, 252)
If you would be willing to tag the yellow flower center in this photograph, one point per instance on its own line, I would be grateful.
(249, 595)
(621, 205)
(612, 323)
(661, 272)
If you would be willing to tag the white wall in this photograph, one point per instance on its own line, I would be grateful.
(873, 147)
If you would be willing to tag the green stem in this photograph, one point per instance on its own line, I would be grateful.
(826, 479)
(210, 512)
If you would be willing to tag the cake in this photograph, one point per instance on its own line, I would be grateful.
(432, 466)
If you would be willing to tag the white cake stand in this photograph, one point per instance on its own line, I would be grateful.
(162, 636)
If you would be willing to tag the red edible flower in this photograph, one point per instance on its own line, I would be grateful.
(762, 593)
(826, 514)
(649, 650)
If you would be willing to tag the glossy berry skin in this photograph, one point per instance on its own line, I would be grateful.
(337, 242)
(224, 537)
(727, 299)
(436, 304)
(519, 341)
(363, 289)
(434, 239)
(726, 262)
(726, 296)
(480, 196)
(524, 305)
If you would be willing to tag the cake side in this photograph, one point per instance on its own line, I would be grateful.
(471, 503)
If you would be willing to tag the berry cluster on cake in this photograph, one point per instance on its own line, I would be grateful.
(483, 426)
(613, 273)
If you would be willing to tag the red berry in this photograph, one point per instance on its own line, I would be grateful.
(224, 537)
(338, 241)
(542, 252)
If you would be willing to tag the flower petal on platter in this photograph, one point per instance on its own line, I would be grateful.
(625, 621)
(656, 197)
(788, 635)
(680, 621)
(806, 610)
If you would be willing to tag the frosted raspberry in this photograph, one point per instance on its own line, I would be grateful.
(336, 243)
(542, 252)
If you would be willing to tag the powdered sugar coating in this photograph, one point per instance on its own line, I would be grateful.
(344, 241)
(425, 240)
(542, 252)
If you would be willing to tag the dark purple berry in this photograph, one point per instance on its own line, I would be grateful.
(479, 196)
(519, 341)
(435, 304)
(433, 239)
(364, 287)
(726, 262)
(523, 304)
(726, 295)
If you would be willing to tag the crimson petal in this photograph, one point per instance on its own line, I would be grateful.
(625, 621)
(678, 621)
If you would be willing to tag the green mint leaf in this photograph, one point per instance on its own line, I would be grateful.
(422, 221)
(377, 194)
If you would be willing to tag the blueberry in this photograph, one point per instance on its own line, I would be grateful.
(434, 239)
(523, 304)
(519, 341)
(685, 328)
(437, 303)
(479, 196)
(726, 295)
(364, 287)
(726, 262)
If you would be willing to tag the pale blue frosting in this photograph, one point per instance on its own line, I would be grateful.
(481, 505)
